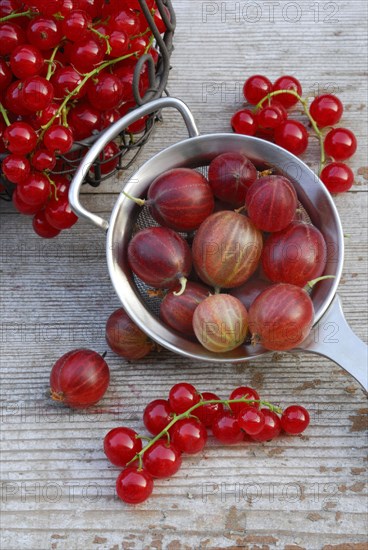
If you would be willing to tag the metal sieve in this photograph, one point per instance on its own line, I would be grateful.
(331, 335)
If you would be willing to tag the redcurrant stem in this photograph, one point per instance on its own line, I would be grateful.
(188, 414)
(103, 37)
(27, 13)
(142, 33)
(86, 77)
(304, 102)
(3, 111)
(51, 67)
(53, 185)
(152, 39)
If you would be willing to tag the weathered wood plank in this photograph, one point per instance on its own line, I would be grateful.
(295, 493)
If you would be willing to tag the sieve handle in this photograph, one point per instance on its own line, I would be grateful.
(112, 132)
(332, 337)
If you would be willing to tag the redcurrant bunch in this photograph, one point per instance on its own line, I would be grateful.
(66, 72)
(180, 425)
(269, 119)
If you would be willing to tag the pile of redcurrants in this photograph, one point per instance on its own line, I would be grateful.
(269, 119)
(66, 73)
(179, 425)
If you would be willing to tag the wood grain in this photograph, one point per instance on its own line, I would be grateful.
(306, 492)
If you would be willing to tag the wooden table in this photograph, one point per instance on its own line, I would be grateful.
(295, 493)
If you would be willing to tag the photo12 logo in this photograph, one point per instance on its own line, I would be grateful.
(270, 12)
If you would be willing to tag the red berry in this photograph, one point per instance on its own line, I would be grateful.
(182, 396)
(86, 54)
(244, 122)
(11, 36)
(58, 139)
(292, 136)
(271, 116)
(271, 428)
(75, 24)
(163, 459)
(44, 32)
(134, 485)
(42, 160)
(43, 117)
(326, 110)
(109, 158)
(83, 119)
(23, 207)
(340, 143)
(119, 43)
(20, 138)
(207, 413)
(251, 420)
(157, 416)
(16, 168)
(124, 20)
(247, 393)
(37, 93)
(26, 60)
(106, 92)
(287, 83)
(337, 177)
(42, 227)
(65, 80)
(59, 213)
(35, 190)
(121, 445)
(294, 419)
(256, 88)
(189, 435)
(5, 75)
(226, 428)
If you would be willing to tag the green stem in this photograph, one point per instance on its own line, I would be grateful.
(304, 102)
(140, 202)
(50, 68)
(86, 77)
(5, 114)
(310, 284)
(103, 37)
(152, 39)
(27, 13)
(53, 185)
(188, 413)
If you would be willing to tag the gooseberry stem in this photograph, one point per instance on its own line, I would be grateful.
(314, 124)
(310, 284)
(188, 413)
(5, 114)
(140, 202)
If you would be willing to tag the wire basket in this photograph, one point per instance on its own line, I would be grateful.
(129, 146)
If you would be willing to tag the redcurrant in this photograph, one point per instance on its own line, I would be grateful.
(182, 396)
(326, 110)
(294, 419)
(163, 459)
(251, 420)
(134, 485)
(226, 428)
(247, 393)
(157, 416)
(271, 428)
(256, 88)
(340, 143)
(189, 435)
(244, 122)
(292, 136)
(287, 83)
(337, 177)
(121, 445)
(207, 413)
